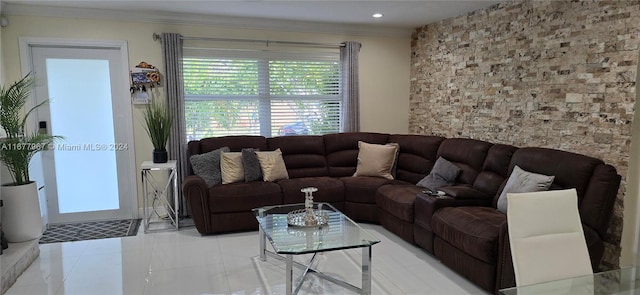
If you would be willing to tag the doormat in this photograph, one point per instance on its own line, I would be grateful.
(71, 232)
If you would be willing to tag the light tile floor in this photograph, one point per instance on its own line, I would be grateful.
(184, 262)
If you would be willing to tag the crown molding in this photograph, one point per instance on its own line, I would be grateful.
(203, 20)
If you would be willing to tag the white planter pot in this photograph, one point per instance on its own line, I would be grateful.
(21, 219)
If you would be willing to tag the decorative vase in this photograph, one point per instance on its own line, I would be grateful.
(21, 217)
(160, 156)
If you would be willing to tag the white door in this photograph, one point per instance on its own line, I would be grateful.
(87, 175)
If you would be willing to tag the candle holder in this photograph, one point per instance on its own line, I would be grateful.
(308, 216)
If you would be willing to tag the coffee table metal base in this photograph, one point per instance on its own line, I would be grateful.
(288, 258)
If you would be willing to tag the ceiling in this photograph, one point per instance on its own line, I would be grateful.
(397, 15)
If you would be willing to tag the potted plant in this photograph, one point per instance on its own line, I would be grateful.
(21, 219)
(158, 121)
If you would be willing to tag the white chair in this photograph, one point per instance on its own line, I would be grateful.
(546, 237)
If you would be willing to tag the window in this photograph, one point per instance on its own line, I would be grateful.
(261, 93)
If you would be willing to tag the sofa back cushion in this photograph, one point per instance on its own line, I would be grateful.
(468, 154)
(342, 150)
(235, 144)
(303, 155)
(417, 155)
(598, 200)
(595, 182)
(570, 170)
(495, 169)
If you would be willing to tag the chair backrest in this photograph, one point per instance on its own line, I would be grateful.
(546, 237)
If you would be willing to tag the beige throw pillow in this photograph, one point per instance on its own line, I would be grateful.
(231, 167)
(376, 159)
(272, 164)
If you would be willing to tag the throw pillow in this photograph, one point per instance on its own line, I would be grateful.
(521, 181)
(376, 160)
(252, 170)
(207, 166)
(231, 167)
(272, 164)
(394, 169)
(444, 173)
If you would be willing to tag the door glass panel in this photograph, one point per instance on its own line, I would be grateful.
(85, 161)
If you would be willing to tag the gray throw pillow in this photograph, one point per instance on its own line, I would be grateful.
(522, 181)
(444, 173)
(252, 169)
(207, 166)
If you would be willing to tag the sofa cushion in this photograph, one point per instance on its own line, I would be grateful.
(468, 154)
(599, 198)
(397, 200)
(495, 169)
(444, 173)
(376, 160)
(207, 166)
(464, 192)
(330, 190)
(303, 154)
(417, 155)
(272, 164)
(231, 167)
(235, 143)
(362, 189)
(243, 196)
(251, 165)
(570, 170)
(521, 181)
(474, 230)
(342, 150)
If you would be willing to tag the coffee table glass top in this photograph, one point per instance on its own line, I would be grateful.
(340, 232)
(617, 281)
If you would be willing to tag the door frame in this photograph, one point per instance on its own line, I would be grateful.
(25, 44)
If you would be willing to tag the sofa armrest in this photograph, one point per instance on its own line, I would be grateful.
(425, 206)
(196, 193)
(464, 192)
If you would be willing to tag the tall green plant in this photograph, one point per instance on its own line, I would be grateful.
(158, 120)
(19, 146)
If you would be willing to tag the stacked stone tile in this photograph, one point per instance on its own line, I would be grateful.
(557, 74)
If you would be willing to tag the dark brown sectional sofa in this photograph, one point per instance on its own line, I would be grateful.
(464, 229)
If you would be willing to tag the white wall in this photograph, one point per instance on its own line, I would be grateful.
(384, 62)
(2, 59)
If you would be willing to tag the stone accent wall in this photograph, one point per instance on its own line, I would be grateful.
(557, 74)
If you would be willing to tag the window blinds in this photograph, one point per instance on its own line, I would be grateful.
(252, 92)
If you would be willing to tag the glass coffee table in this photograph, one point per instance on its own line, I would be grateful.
(339, 233)
(618, 281)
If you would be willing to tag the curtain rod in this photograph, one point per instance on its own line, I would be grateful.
(157, 37)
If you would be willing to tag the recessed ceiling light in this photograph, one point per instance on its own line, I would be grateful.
(377, 15)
